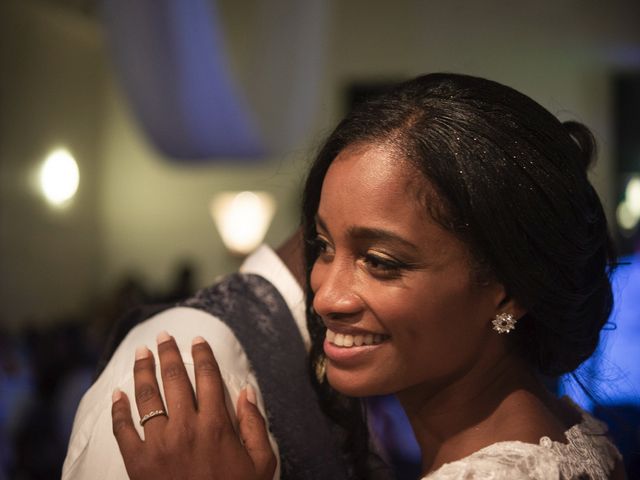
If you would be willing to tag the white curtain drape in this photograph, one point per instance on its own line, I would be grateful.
(171, 60)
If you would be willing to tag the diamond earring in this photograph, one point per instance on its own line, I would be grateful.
(504, 323)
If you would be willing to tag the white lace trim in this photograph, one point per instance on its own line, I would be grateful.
(588, 452)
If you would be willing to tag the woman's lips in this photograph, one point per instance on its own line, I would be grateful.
(347, 340)
(350, 350)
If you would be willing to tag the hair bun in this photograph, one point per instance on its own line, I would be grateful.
(585, 140)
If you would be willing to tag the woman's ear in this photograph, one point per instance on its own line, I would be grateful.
(514, 308)
(508, 304)
(505, 303)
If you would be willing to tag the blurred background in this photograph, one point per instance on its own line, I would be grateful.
(127, 129)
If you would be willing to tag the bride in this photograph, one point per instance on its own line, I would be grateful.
(456, 254)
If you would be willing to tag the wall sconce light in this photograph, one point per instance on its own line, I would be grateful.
(242, 218)
(59, 177)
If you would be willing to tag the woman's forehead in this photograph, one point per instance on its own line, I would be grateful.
(383, 166)
(372, 187)
(370, 172)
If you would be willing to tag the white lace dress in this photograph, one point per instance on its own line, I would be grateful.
(588, 454)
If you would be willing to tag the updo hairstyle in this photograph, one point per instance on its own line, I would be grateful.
(510, 181)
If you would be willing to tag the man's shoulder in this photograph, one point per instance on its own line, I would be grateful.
(183, 324)
(91, 440)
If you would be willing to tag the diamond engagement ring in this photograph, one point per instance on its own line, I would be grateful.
(150, 415)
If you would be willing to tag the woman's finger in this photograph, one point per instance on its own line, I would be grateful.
(178, 393)
(123, 429)
(253, 431)
(210, 391)
(148, 400)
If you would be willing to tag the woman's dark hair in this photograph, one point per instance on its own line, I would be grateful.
(510, 181)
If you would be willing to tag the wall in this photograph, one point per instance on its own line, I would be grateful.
(51, 91)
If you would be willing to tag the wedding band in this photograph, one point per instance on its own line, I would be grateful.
(150, 415)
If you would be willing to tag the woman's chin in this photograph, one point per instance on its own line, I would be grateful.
(354, 385)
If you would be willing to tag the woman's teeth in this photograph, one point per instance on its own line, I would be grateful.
(347, 340)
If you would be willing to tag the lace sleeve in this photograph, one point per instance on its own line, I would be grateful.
(502, 461)
(587, 453)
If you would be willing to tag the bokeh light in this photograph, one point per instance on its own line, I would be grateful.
(626, 219)
(242, 218)
(632, 196)
(59, 177)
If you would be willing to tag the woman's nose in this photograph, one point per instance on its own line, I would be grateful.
(334, 293)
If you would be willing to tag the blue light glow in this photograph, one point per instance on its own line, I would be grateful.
(612, 375)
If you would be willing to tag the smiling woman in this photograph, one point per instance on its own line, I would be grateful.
(451, 220)
(456, 253)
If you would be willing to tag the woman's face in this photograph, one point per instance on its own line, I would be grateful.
(394, 289)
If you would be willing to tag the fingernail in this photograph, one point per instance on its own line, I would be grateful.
(117, 395)
(163, 336)
(142, 352)
(197, 340)
(251, 394)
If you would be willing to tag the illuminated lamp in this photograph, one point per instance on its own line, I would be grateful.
(242, 219)
(59, 177)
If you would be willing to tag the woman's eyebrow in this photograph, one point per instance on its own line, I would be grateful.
(370, 233)
(379, 234)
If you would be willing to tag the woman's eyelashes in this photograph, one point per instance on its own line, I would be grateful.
(321, 246)
(379, 265)
(383, 266)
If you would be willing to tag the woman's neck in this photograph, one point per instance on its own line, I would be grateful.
(480, 408)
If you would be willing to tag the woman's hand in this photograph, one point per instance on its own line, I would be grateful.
(195, 439)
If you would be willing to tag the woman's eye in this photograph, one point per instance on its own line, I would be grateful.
(383, 265)
(321, 247)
